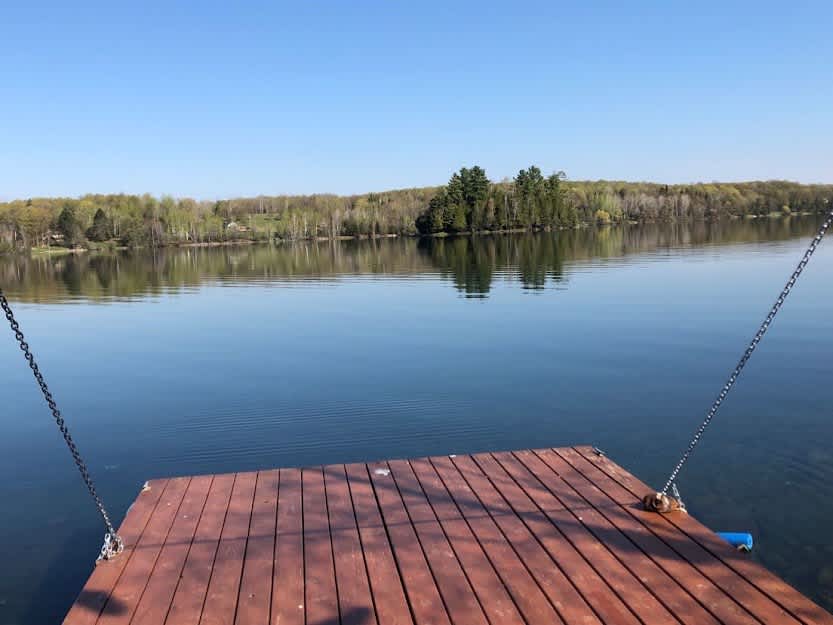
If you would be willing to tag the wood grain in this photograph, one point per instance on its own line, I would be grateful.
(536, 537)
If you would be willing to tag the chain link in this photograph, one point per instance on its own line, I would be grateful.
(751, 348)
(113, 544)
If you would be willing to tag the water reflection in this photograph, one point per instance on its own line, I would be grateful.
(471, 264)
(366, 351)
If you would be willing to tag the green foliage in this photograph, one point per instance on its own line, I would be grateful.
(102, 228)
(468, 203)
(531, 201)
(133, 233)
(605, 207)
(602, 216)
(469, 262)
(460, 205)
(70, 227)
(529, 196)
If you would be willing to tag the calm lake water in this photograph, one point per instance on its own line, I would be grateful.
(189, 361)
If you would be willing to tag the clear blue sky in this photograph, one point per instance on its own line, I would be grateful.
(213, 99)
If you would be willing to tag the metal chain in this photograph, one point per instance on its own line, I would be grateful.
(113, 544)
(751, 348)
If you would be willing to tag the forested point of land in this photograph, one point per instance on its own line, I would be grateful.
(469, 203)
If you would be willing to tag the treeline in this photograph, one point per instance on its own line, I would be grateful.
(470, 202)
(147, 221)
(471, 264)
(531, 201)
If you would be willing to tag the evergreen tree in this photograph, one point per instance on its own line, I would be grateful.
(102, 228)
(460, 205)
(557, 205)
(529, 191)
(436, 212)
(69, 225)
(475, 186)
(459, 218)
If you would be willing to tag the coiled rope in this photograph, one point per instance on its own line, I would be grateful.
(751, 348)
(113, 544)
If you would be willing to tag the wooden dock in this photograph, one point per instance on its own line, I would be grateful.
(536, 536)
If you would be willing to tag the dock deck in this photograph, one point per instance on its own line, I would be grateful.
(534, 536)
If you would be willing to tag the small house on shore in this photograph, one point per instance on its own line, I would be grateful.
(233, 226)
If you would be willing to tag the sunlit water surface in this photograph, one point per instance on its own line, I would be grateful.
(195, 361)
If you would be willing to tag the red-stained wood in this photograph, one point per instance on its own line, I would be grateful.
(677, 549)
(255, 601)
(747, 596)
(355, 601)
(319, 569)
(455, 581)
(491, 591)
(288, 583)
(528, 595)
(564, 506)
(775, 588)
(533, 537)
(388, 592)
(188, 600)
(711, 596)
(88, 606)
(125, 597)
(223, 589)
(423, 595)
(570, 604)
(157, 597)
(570, 556)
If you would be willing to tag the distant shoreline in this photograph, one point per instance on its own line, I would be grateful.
(109, 246)
(470, 203)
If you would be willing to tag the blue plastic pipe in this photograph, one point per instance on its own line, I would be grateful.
(742, 541)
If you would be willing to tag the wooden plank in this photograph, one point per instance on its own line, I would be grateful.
(355, 601)
(718, 592)
(288, 583)
(96, 592)
(188, 600)
(779, 591)
(490, 590)
(561, 503)
(556, 584)
(594, 586)
(224, 587)
(408, 506)
(711, 567)
(527, 537)
(385, 580)
(319, 570)
(420, 586)
(158, 595)
(528, 595)
(128, 590)
(255, 601)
